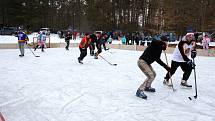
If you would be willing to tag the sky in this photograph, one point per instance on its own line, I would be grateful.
(55, 87)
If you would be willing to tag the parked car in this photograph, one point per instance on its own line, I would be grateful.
(171, 36)
(53, 30)
(98, 32)
(8, 30)
(62, 33)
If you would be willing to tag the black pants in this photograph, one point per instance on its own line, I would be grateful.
(127, 41)
(104, 46)
(137, 42)
(42, 46)
(92, 48)
(83, 53)
(67, 43)
(187, 69)
(99, 49)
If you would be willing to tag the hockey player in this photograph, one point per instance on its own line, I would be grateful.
(68, 37)
(41, 41)
(152, 53)
(92, 44)
(181, 58)
(85, 42)
(98, 45)
(22, 39)
(101, 41)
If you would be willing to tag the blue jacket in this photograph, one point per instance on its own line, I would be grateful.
(22, 37)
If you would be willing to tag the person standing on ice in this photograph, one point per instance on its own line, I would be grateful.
(22, 39)
(68, 37)
(152, 53)
(83, 45)
(205, 43)
(92, 44)
(181, 58)
(41, 41)
(98, 45)
(102, 40)
(75, 33)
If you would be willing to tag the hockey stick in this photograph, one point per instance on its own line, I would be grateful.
(32, 51)
(170, 77)
(195, 80)
(108, 61)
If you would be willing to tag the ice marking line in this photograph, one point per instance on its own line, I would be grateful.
(12, 101)
(63, 108)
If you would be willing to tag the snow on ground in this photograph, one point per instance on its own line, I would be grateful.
(54, 38)
(12, 39)
(55, 87)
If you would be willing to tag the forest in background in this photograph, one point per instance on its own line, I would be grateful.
(154, 16)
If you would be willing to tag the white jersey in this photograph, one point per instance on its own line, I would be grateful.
(42, 37)
(177, 54)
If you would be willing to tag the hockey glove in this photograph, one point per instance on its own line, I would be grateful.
(191, 64)
(193, 53)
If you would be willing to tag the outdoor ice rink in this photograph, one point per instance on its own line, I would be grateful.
(55, 87)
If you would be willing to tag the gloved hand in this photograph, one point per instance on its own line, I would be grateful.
(191, 64)
(193, 53)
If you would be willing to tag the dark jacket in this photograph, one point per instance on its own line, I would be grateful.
(181, 49)
(93, 38)
(68, 36)
(153, 52)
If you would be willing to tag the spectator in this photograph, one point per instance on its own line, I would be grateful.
(205, 42)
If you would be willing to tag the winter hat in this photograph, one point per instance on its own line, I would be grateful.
(189, 34)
